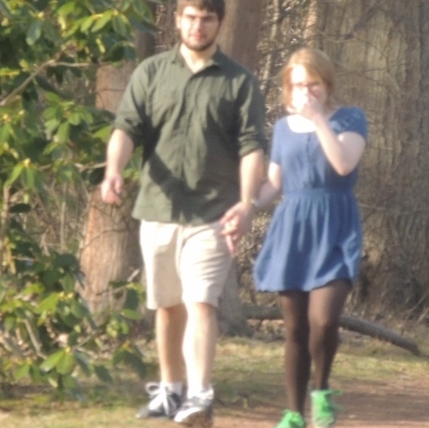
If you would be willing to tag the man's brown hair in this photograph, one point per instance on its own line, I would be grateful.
(216, 6)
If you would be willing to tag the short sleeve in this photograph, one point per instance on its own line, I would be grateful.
(251, 133)
(350, 119)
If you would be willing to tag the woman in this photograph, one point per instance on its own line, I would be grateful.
(312, 249)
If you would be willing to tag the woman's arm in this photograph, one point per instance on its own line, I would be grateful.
(343, 150)
(272, 187)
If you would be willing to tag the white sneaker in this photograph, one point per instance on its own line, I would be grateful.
(162, 404)
(196, 412)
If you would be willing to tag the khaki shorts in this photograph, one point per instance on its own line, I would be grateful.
(184, 263)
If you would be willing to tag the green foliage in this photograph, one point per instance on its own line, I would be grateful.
(48, 335)
(52, 136)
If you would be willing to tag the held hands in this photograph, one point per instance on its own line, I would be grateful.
(237, 222)
(111, 187)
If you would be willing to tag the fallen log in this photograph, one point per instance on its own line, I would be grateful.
(346, 321)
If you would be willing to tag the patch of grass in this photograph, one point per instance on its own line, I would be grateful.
(248, 371)
(248, 375)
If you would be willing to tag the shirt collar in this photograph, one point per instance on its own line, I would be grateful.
(216, 60)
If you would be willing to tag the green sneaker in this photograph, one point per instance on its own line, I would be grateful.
(292, 420)
(323, 410)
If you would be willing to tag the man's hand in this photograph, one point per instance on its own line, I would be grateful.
(111, 188)
(119, 151)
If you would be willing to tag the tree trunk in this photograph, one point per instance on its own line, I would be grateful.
(238, 39)
(240, 31)
(111, 250)
(382, 57)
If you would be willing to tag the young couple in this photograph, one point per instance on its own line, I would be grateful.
(200, 119)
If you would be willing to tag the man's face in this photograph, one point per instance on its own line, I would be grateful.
(198, 28)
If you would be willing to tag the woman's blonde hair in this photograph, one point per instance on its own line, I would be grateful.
(318, 66)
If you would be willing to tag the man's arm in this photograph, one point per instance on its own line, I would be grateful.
(238, 219)
(119, 151)
(251, 174)
(251, 142)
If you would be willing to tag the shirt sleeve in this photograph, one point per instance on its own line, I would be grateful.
(251, 133)
(132, 111)
(353, 120)
(275, 143)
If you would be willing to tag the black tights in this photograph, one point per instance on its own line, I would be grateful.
(311, 323)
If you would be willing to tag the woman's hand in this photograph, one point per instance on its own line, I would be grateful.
(307, 105)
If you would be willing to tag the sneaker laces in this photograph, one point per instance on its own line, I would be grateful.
(160, 396)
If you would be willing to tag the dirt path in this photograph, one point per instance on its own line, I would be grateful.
(378, 392)
(402, 402)
(397, 404)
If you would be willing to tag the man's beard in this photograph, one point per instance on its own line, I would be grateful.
(199, 48)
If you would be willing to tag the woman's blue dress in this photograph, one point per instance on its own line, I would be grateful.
(315, 233)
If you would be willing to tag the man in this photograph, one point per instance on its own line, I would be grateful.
(200, 119)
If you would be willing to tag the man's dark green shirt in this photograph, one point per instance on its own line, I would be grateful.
(193, 127)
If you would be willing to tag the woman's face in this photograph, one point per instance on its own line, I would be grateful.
(303, 85)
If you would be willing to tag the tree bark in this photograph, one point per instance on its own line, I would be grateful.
(382, 58)
(240, 31)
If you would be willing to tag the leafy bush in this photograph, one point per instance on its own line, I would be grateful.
(52, 136)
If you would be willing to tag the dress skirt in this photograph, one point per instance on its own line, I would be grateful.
(314, 238)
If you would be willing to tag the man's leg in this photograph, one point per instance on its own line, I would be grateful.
(205, 264)
(199, 345)
(160, 243)
(199, 351)
(170, 326)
